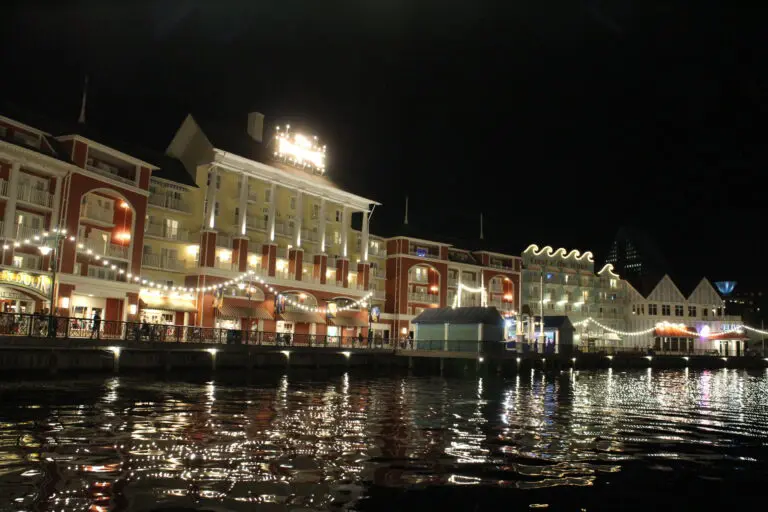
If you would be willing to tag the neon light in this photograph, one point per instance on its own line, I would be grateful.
(534, 249)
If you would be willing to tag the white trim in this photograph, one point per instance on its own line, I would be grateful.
(24, 159)
(24, 126)
(107, 149)
(268, 173)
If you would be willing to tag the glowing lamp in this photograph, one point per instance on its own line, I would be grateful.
(64, 302)
(132, 308)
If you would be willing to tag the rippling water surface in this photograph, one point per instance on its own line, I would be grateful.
(568, 441)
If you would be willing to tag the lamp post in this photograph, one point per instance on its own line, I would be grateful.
(55, 238)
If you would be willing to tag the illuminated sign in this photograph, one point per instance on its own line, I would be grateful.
(299, 150)
(40, 284)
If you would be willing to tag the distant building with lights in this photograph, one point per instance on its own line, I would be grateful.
(633, 252)
(572, 288)
(653, 301)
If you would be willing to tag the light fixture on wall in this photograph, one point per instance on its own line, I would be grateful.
(64, 302)
(132, 309)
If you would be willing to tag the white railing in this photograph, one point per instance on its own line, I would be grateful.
(99, 272)
(255, 223)
(453, 282)
(158, 261)
(34, 196)
(424, 298)
(151, 260)
(110, 174)
(108, 249)
(309, 236)
(415, 278)
(224, 264)
(28, 263)
(24, 232)
(170, 202)
(330, 263)
(282, 252)
(223, 240)
(162, 231)
(99, 214)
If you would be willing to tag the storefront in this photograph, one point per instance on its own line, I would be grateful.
(174, 309)
(14, 301)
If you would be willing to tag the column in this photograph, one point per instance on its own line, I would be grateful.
(364, 242)
(240, 253)
(56, 204)
(342, 272)
(207, 254)
(321, 267)
(210, 199)
(363, 275)
(10, 204)
(321, 226)
(243, 207)
(272, 207)
(344, 231)
(299, 221)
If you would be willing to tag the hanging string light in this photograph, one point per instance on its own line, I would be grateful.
(681, 328)
(159, 286)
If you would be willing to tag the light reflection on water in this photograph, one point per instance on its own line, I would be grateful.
(130, 444)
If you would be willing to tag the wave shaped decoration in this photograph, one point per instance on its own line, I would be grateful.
(608, 268)
(549, 252)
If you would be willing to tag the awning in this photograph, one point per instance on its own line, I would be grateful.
(302, 317)
(166, 304)
(728, 336)
(237, 312)
(348, 321)
(674, 332)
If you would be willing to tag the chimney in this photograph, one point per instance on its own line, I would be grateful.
(256, 126)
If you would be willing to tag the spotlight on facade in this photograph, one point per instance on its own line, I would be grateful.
(481, 359)
(347, 354)
(212, 351)
(650, 358)
(286, 353)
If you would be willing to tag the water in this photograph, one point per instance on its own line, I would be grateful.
(569, 441)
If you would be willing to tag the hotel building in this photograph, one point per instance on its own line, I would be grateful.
(564, 283)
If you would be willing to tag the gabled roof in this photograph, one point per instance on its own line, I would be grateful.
(468, 315)
(705, 293)
(644, 284)
(557, 322)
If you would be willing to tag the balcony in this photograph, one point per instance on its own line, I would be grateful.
(224, 240)
(92, 212)
(161, 262)
(255, 223)
(166, 232)
(113, 173)
(34, 196)
(106, 249)
(424, 298)
(379, 273)
(307, 235)
(418, 278)
(98, 272)
(27, 263)
(26, 232)
(169, 202)
(501, 305)
(425, 253)
(453, 282)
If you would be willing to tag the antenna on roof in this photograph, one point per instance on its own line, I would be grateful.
(406, 211)
(481, 227)
(81, 119)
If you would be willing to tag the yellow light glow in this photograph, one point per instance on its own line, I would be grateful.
(224, 255)
(551, 253)
(300, 150)
(193, 249)
(64, 302)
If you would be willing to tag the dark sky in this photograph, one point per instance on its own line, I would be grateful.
(559, 120)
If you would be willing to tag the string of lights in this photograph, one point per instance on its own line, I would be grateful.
(151, 284)
(682, 328)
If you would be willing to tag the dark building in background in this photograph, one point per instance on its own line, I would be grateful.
(749, 304)
(634, 253)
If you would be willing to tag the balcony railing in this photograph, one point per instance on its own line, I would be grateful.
(165, 263)
(98, 272)
(115, 175)
(34, 196)
(223, 240)
(170, 202)
(108, 249)
(24, 232)
(453, 282)
(380, 273)
(255, 223)
(424, 298)
(28, 263)
(163, 231)
(416, 278)
(98, 214)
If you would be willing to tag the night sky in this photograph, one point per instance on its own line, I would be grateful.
(558, 120)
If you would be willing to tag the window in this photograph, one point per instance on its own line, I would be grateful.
(338, 215)
(678, 310)
(704, 311)
(665, 310)
(613, 283)
(215, 208)
(218, 180)
(691, 310)
(237, 215)
(268, 195)
(315, 211)
(337, 237)
(652, 309)
(171, 228)
(293, 203)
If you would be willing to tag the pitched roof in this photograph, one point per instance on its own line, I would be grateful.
(644, 284)
(557, 322)
(467, 315)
